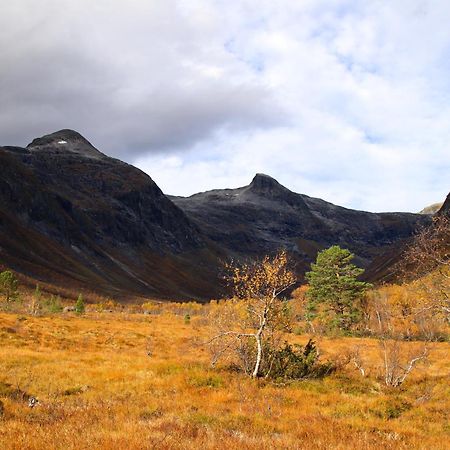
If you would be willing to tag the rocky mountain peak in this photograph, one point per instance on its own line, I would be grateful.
(263, 184)
(63, 142)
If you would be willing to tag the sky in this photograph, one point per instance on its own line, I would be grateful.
(345, 100)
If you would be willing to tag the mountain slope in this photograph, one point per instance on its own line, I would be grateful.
(264, 216)
(69, 214)
(384, 267)
(445, 208)
(74, 217)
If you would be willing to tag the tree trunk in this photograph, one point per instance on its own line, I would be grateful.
(258, 354)
(258, 337)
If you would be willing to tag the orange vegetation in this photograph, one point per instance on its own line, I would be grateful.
(122, 380)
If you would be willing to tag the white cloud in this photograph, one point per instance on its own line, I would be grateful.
(345, 100)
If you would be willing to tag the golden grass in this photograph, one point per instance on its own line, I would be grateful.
(100, 389)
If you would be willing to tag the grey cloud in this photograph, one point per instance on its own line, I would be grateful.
(150, 93)
(346, 100)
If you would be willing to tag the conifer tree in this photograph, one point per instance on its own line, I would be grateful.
(8, 286)
(334, 288)
(79, 306)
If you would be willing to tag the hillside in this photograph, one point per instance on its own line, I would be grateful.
(71, 215)
(74, 217)
(384, 267)
(445, 208)
(264, 216)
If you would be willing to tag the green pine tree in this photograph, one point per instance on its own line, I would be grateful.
(8, 286)
(79, 306)
(334, 288)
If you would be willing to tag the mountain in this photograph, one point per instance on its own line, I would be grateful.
(73, 216)
(265, 216)
(383, 268)
(445, 208)
(431, 209)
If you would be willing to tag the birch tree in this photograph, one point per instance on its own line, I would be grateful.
(251, 324)
(399, 357)
(426, 263)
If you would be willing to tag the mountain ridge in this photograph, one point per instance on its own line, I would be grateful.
(110, 224)
(70, 214)
(248, 215)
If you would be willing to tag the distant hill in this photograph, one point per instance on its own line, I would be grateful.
(432, 209)
(72, 216)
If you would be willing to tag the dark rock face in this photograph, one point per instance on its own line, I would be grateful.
(384, 266)
(109, 218)
(65, 142)
(72, 216)
(445, 208)
(265, 216)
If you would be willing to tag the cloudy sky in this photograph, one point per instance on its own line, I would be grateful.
(345, 100)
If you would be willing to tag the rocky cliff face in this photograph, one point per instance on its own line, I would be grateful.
(265, 216)
(96, 220)
(384, 266)
(445, 208)
(72, 216)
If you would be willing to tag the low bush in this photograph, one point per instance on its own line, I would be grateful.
(298, 362)
(211, 381)
(53, 304)
(391, 408)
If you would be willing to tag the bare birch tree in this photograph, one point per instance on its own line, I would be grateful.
(426, 263)
(399, 357)
(251, 323)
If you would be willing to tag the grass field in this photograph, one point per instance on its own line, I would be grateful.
(134, 381)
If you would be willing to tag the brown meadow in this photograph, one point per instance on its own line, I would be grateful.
(125, 380)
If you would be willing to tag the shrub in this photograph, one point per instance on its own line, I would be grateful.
(79, 306)
(35, 302)
(211, 381)
(151, 414)
(75, 390)
(391, 408)
(13, 393)
(53, 304)
(298, 362)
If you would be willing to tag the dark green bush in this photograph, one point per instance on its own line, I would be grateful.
(297, 362)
